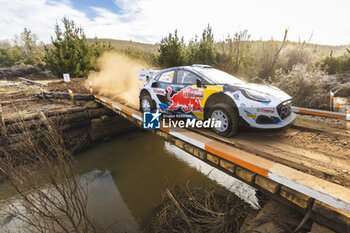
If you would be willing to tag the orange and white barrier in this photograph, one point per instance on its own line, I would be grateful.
(71, 95)
(337, 105)
(42, 92)
(331, 100)
(90, 86)
(316, 112)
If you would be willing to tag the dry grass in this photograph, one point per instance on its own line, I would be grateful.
(306, 87)
(49, 196)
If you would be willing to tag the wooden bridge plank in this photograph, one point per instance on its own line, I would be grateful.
(332, 194)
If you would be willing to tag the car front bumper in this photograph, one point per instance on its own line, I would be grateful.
(282, 123)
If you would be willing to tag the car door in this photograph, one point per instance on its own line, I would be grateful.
(159, 88)
(184, 97)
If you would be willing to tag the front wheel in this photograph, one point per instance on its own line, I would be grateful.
(146, 104)
(228, 116)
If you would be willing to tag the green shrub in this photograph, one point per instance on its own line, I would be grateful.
(71, 53)
(31, 52)
(345, 63)
(330, 64)
(25, 51)
(202, 52)
(339, 64)
(9, 57)
(171, 51)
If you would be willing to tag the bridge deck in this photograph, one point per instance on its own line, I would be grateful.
(317, 153)
(306, 177)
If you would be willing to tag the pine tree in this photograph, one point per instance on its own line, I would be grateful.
(172, 51)
(97, 49)
(206, 52)
(203, 51)
(70, 53)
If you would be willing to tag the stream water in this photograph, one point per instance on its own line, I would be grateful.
(127, 175)
(137, 168)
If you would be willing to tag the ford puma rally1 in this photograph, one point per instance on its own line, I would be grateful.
(202, 92)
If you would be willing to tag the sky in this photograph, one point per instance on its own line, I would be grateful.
(150, 20)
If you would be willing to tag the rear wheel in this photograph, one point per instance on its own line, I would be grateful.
(228, 116)
(146, 103)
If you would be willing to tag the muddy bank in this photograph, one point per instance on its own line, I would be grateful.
(209, 209)
(21, 71)
(279, 218)
(80, 124)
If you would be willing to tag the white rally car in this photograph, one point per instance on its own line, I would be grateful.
(203, 92)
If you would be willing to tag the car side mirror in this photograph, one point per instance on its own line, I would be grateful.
(199, 82)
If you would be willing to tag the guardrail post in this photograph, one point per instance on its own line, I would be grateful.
(42, 92)
(71, 95)
(337, 105)
(91, 90)
(331, 100)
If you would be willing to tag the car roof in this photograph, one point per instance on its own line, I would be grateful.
(193, 67)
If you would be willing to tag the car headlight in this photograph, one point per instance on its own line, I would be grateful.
(254, 95)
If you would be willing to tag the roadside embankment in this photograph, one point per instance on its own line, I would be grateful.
(80, 124)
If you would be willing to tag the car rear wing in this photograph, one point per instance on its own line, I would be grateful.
(145, 74)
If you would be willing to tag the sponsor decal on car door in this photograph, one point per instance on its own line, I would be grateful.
(164, 81)
(187, 99)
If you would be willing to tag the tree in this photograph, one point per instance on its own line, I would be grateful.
(192, 51)
(71, 52)
(9, 56)
(27, 42)
(24, 51)
(97, 49)
(267, 68)
(172, 51)
(241, 47)
(237, 51)
(31, 53)
(203, 52)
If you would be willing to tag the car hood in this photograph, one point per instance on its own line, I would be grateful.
(266, 89)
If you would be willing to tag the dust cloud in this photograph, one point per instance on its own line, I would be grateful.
(117, 78)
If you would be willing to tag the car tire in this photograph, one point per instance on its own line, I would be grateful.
(229, 115)
(146, 98)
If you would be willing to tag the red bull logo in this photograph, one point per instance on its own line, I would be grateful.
(187, 99)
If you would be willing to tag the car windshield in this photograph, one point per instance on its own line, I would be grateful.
(219, 77)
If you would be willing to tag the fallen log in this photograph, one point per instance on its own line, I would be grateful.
(62, 95)
(17, 100)
(21, 117)
(32, 82)
(65, 111)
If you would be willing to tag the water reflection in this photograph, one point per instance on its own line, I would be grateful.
(142, 166)
(104, 199)
(128, 174)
